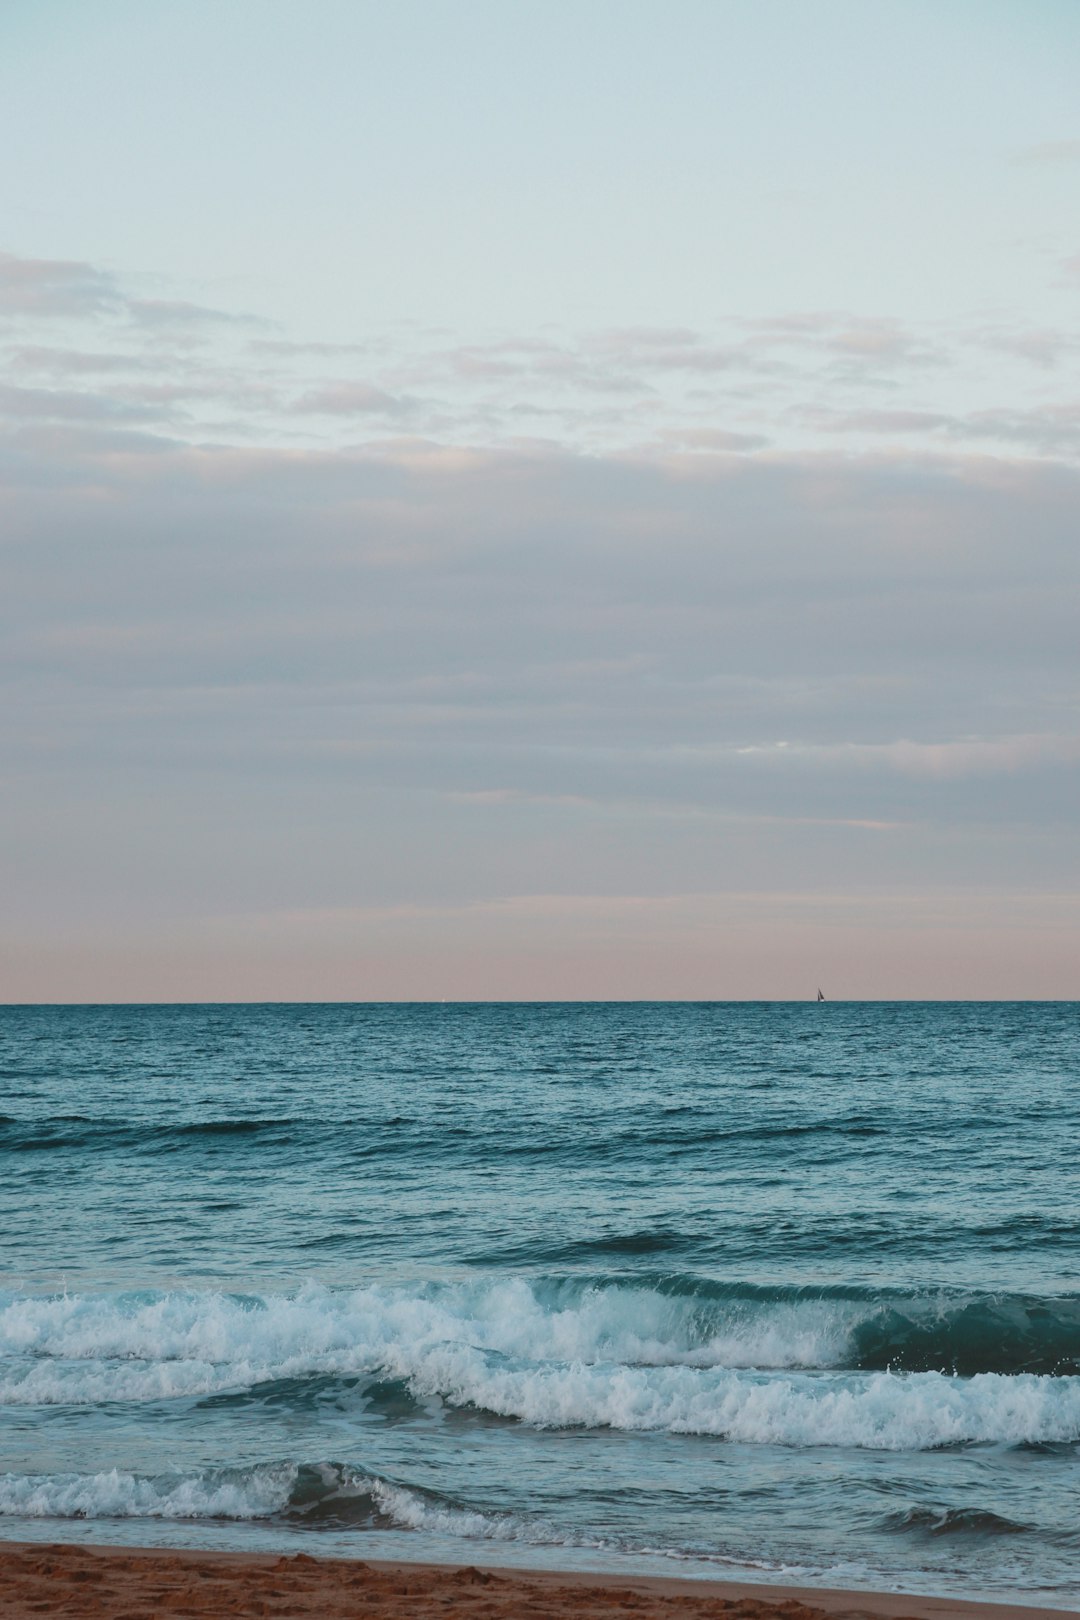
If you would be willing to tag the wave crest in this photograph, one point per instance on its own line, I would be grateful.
(742, 1364)
(318, 1495)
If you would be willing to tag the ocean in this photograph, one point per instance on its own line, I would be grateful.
(778, 1291)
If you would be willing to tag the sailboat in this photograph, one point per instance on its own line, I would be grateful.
(820, 996)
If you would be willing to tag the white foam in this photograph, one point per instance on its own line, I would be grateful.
(880, 1411)
(626, 1358)
(256, 1493)
(411, 1511)
(251, 1494)
(624, 1324)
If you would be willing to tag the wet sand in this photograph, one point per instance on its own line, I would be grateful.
(135, 1583)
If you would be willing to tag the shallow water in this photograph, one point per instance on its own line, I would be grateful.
(782, 1290)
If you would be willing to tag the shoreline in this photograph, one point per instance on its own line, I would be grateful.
(101, 1581)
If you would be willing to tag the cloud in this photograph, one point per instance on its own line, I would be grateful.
(55, 287)
(1041, 346)
(56, 404)
(174, 315)
(289, 349)
(1049, 153)
(541, 364)
(855, 338)
(676, 349)
(1045, 427)
(421, 675)
(876, 421)
(288, 633)
(713, 439)
(871, 340)
(1048, 428)
(668, 339)
(636, 586)
(79, 362)
(959, 759)
(783, 381)
(69, 451)
(351, 399)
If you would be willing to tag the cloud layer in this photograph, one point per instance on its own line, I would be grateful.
(326, 671)
(80, 344)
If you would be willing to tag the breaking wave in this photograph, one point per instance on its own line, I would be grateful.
(225, 1494)
(750, 1365)
(327, 1495)
(666, 1320)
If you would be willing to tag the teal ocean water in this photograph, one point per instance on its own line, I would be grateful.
(773, 1290)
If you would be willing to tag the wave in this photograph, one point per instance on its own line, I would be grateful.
(221, 1494)
(942, 1521)
(751, 1365)
(63, 1132)
(995, 1333)
(335, 1496)
(671, 1134)
(325, 1495)
(885, 1411)
(671, 1319)
(918, 1411)
(755, 1238)
(561, 1319)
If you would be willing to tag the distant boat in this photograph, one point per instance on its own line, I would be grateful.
(820, 996)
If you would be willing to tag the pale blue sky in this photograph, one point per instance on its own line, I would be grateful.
(478, 163)
(517, 499)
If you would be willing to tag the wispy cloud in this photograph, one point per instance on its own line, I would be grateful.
(879, 421)
(55, 287)
(1050, 428)
(955, 760)
(42, 360)
(352, 399)
(855, 338)
(716, 440)
(783, 382)
(173, 316)
(56, 404)
(1049, 153)
(1042, 346)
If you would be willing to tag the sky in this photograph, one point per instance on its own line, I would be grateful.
(504, 500)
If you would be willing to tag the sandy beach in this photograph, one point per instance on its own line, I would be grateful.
(131, 1583)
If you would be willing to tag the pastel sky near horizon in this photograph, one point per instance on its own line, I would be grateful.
(503, 499)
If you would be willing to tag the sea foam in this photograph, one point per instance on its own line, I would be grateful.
(326, 1493)
(623, 1358)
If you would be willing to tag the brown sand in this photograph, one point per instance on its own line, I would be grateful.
(135, 1583)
